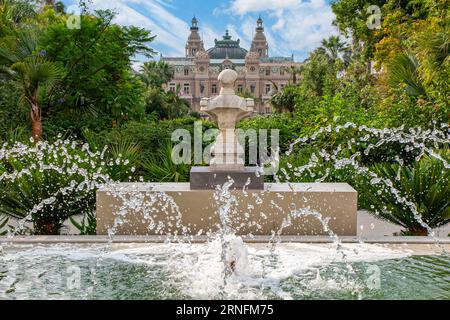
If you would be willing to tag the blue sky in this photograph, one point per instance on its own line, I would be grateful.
(292, 26)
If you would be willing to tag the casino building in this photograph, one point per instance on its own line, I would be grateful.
(259, 75)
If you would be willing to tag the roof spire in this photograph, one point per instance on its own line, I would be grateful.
(259, 24)
(194, 25)
(227, 35)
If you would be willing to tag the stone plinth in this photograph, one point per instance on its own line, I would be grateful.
(203, 178)
(153, 209)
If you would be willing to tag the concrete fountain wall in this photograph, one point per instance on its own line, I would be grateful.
(199, 211)
(165, 208)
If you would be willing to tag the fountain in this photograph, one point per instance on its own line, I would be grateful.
(228, 162)
(258, 208)
(216, 213)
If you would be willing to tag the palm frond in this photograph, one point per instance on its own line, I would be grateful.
(404, 72)
(161, 168)
(3, 225)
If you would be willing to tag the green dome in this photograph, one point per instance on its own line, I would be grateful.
(227, 49)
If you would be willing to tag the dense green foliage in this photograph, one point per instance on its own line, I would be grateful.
(391, 76)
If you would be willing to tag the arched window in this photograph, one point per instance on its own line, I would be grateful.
(186, 89)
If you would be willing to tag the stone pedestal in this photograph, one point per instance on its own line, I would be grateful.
(167, 208)
(203, 178)
(227, 109)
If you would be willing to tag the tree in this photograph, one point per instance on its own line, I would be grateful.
(284, 100)
(351, 19)
(294, 71)
(166, 105)
(13, 13)
(156, 73)
(98, 77)
(333, 47)
(314, 72)
(33, 73)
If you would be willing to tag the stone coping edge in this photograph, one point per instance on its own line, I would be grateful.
(201, 239)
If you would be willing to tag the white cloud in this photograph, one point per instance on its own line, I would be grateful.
(171, 31)
(246, 6)
(236, 34)
(298, 26)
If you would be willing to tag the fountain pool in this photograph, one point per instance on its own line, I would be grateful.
(194, 271)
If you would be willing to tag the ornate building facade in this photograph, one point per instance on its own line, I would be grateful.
(259, 75)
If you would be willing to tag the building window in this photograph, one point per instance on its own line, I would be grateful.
(268, 110)
(186, 89)
(252, 69)
(240, 88)
(186, 71)
(202, 88)
(267, 71)
(252, 88)
(214, 89)
(268, 88)
(260, 52)
(282, 72)
(194, 51)
(172, 87)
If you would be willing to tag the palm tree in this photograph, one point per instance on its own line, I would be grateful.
(13, 13)
(156, 73)
(294, 71)
(333, 47)
(284, 100)
(434, 54)
(31, 71)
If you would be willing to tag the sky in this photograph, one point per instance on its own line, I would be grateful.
(291, 26)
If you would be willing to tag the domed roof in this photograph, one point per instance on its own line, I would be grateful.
(259, 36)
(194, 36)
(227, 49)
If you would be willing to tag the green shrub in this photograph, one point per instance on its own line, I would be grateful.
(425, 184)
(161, 168)
(47, 183)
(388, 190)
(12, 113)
(87, 225)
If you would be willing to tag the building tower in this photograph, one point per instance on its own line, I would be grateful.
(259, 43)
(194, 43)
